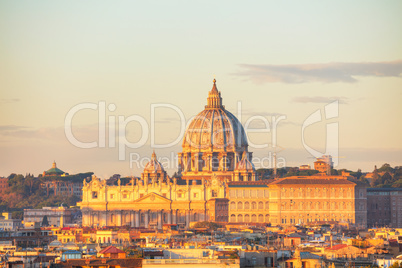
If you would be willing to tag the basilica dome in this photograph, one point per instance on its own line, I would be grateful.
(215, 129)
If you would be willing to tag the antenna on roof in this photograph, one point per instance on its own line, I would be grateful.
(275, 146)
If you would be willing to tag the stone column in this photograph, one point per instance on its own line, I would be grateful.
(180, 160)
(137, 216)
(175, 216)
(146, 218)
(159, 219)
(169, 217)
(119, 215)
(106, 221)
(187, 218)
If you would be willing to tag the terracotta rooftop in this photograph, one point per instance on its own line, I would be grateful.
(311, 180)
(337, 247)
(111, 249)
(249, 183)
(103, 262)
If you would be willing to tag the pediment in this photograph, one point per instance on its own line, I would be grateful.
(153, 198)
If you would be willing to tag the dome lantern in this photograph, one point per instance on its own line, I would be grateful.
(214, 98)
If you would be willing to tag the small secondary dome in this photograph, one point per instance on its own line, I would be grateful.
(153, 166)
(54, 171)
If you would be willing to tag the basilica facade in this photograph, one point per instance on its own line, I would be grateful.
(217, 181)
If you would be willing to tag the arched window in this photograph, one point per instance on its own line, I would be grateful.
(239, 218)
(232, 205)
(247, 218)
(267, 205)
(247, 205)
(253, 218)
(239, 205)
(267, 218)
(253, 205)
(260, 205)
(233, 218)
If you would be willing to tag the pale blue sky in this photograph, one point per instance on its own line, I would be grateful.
(57, 54)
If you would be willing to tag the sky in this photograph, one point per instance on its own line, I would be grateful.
(98, 85)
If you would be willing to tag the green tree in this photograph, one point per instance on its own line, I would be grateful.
(207, 224)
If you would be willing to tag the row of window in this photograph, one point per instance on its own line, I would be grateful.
(247, 205)
(316, 192)
(316, 205)
(127, 195)
(249, 218)
(247, 193)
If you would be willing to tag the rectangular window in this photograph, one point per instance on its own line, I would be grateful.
(232, 193)
(246, 193)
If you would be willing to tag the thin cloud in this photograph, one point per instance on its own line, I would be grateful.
(4, 101)
(321, 72)
(167, 120)
(261, 113)
(11, 128)
(320, 99)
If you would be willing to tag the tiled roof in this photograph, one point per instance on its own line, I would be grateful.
(103, 262)
(308, 255)
(54, 170)
(337, 247)
(261, 183)
(111, 249)
(307, 180)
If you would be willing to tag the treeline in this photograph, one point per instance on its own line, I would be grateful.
(385, 176)
(26, 192)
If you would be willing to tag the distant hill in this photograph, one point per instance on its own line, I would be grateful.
(26, 192)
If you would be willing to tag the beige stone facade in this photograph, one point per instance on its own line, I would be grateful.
(298, 200)
(249, 201)
(217, 182)
(152, 204)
